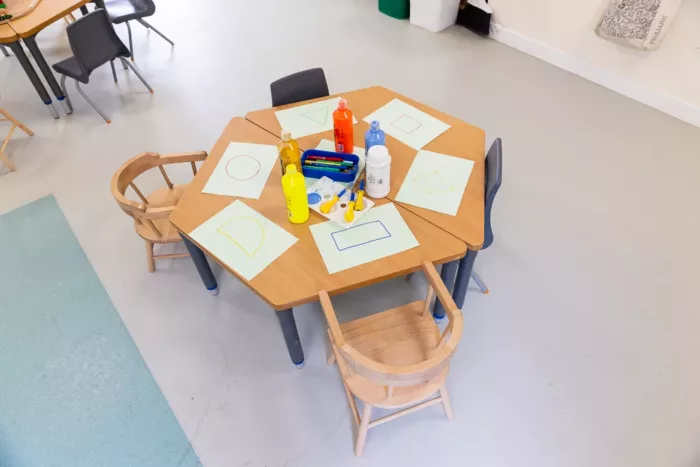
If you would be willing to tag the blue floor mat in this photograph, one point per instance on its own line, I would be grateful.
(74, 390)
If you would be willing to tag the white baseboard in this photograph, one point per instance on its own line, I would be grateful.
(663, 102)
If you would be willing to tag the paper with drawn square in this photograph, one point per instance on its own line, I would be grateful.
(309, 119)
(408, 124)
(243, 239)
(436, 181)
(382, 232)
(242, 171)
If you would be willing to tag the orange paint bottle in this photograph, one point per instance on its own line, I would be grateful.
(343, 128)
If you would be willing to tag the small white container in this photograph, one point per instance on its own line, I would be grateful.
(434, 15)
(378, 166)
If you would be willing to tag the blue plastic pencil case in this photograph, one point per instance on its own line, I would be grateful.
(318, 172)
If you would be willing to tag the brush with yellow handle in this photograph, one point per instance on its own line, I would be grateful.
(328, 205)
(359, 204)
(350, 213)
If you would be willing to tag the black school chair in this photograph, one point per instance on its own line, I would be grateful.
(123, 11)
(94, 43)
(301, 86)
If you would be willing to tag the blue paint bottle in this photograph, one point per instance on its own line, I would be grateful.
(374, 136)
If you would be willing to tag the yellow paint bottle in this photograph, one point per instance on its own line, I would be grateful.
(294, 187)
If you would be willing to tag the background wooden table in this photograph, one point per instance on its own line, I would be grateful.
(7, 34)
(461, 140)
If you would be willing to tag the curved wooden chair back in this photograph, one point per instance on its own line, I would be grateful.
(124, 178)
(414, 374)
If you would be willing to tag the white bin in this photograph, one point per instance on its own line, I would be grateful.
(434, 15)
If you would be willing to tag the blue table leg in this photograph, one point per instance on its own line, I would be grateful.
(464, 273)
(448, 277)
(291, 336)
(33, 76)
(46, 71)
(202, 265)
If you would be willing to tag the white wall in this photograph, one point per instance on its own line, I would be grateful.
(561, 31)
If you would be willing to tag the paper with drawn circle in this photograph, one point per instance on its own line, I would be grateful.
(436, 181)
(243, 239)
(243, 170)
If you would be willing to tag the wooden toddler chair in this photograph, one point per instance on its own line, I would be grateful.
(395, 359)
(151, 214)
(15, 123)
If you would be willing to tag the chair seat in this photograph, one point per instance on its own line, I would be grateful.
(120, 11)
(71, 68)
(163, 197)
(401, 336)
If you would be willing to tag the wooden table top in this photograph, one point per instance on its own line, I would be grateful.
(299, 274)
(461, 140)
(7, 34)
(45, 13)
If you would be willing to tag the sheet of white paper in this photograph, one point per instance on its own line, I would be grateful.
(309, 119)
(436, 182)
(242, 171)
(408, 124)
(381, 233)
(243, 239)
(327, 145)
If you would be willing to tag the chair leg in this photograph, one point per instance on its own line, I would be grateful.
(114, 72)
(148, 26)
(131, 42)
(137, 73)
(94, 106)
(446, 404)
(362, 433)
(65, 92)
(16, 122)
(331, 356)
(480, 283)
(6, 161)
(149, 257)
(4, 51)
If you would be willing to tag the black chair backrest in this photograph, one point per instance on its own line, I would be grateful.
(494, 176)
(94, 41)
(301, 86)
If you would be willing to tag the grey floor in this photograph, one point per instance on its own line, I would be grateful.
(585, 352)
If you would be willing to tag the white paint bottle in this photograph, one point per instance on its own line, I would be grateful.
(378, 165)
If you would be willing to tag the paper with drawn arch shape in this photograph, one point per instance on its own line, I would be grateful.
(242, 171)
(436, 181)
(382, 232)
(243, 239)
(309, 119)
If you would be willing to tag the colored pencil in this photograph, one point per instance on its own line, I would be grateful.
(330, 159)
(328, 164)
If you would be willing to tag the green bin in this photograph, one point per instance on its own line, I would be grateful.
(398, 9)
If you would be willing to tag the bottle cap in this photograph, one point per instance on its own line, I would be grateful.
(374, 125)
(291, 169)
(286, 135)
(342, 104)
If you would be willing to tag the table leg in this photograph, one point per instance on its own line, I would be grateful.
(464, 273)
(4, 51)
(202, 265)
(46, 71)
(291, 336)
(33, 76)
(447, 275)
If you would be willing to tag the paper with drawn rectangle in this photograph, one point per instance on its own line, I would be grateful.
(309, 119)
(242, 171)
(381, 233)
(408, 124)
(436, 181)
(243, 239)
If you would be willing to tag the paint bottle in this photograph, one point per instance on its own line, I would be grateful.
(343, 128)
(378, 172)
(288, 150)
(294, 187)
(374, 136)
